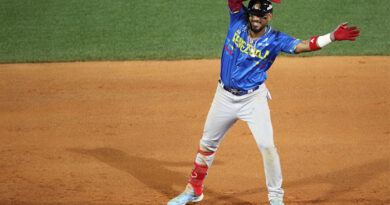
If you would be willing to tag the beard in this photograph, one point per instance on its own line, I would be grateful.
(256, 30)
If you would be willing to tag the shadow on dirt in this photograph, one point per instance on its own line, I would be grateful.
(154, 174)
(151, 172)
(342, 181)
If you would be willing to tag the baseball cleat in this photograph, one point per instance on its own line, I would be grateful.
(184, 198)
(276, 202)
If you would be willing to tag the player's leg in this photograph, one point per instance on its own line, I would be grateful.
(194, 189)
(257, 114)
(220, 119)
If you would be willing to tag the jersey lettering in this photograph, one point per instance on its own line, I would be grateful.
(248, 48)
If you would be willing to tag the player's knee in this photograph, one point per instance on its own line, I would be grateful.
(269, 149)
(269, 153)
(208, 146)
(205, 149)
(266, 146)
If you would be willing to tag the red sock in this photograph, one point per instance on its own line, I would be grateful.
(199, 172)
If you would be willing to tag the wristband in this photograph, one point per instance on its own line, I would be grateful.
(313, 43)
(318, 42)
(324, 40)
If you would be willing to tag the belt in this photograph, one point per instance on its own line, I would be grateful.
(237, 92)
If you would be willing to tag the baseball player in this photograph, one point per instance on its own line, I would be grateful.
(250, 49)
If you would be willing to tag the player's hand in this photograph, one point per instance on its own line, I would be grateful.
(343, 32)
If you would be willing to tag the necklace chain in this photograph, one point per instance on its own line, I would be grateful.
(252, 41)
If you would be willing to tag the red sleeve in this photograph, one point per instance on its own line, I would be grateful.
(235, 5)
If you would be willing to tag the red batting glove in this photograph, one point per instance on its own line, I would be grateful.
(343, 32)
(235, 5)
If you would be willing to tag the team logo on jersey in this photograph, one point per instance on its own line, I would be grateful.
(264, 42)
(243, 29)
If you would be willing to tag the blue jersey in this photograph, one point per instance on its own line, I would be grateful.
(244, 63)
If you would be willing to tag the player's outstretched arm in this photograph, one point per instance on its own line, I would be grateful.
(341, 33)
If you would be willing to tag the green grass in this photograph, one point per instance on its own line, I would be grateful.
(86, 30)
(305, 18)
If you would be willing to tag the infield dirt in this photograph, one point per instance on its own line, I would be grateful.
(128, 132)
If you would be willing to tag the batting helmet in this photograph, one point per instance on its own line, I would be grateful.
(265, 8)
